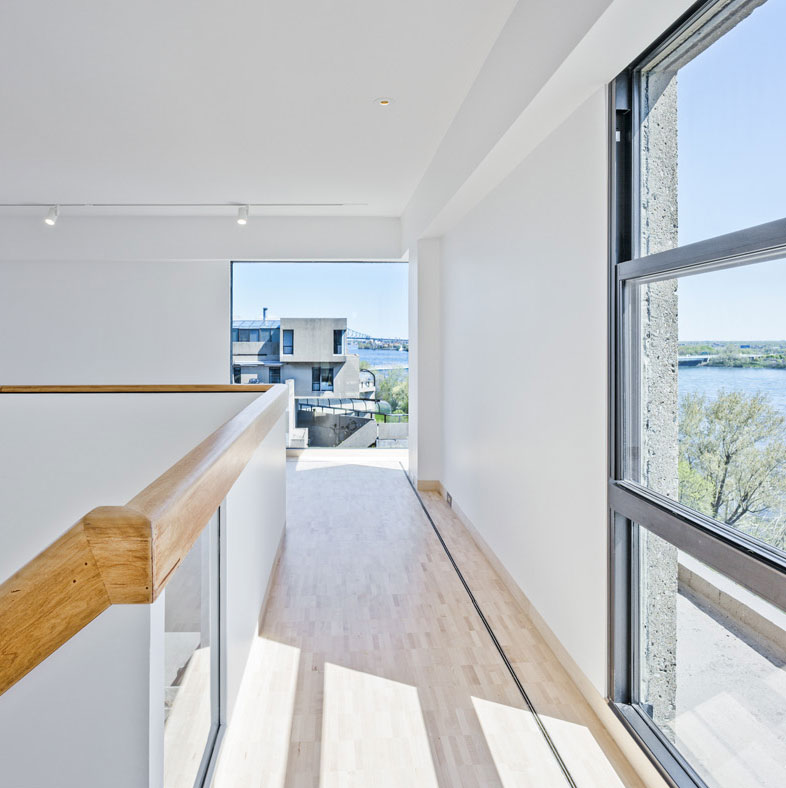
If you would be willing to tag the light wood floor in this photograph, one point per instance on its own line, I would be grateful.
(374, 669)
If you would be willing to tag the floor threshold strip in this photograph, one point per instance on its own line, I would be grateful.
(541, 727)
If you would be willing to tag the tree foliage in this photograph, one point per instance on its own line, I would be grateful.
(732, 461)
(393, 387)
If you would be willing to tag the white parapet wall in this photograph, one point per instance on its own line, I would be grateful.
(92, 714)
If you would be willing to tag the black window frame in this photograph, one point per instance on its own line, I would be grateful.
(274, 372)
(632, 506)
(338, 341)
(322, 375)
(285, 344)
(245, 335)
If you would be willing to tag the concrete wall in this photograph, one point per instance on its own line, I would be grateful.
(313, 338)
(270, 347)
(346, 381)
(347, 378)
(392, 430)
(533, 481)
(332, 429)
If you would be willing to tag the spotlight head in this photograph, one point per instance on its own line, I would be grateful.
(51, 217)
(242, 214)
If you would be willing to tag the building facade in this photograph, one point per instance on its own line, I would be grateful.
(310, 351)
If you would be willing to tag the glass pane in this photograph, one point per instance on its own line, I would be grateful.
(357, 311)
(712, 668)
(188, 711)
(706, 394)
(712, 120)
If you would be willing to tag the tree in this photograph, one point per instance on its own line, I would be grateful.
(732, 461)
(394, 388)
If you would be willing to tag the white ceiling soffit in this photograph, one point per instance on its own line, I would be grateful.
(238, 101)
(550, 62)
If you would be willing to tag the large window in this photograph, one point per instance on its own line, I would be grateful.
(698, 466)
(245, 335)
(351, 322)
(322, 378)
(338, 342)
(288, 342)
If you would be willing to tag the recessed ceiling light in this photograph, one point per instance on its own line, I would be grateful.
(51, 217)
(242, 214)
(383, 102)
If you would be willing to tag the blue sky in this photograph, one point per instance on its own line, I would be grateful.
(732, 174)
(372, 296)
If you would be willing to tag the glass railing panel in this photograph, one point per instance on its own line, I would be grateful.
(190, 681)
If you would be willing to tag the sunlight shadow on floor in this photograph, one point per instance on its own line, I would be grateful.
(256, 746)
(516, 746)
(512, 734)
(373, 732)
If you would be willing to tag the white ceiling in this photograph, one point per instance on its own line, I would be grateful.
(212, 101)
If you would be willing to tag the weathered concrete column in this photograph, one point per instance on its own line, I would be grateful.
(659, 393)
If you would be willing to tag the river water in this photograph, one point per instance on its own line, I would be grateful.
(382, 358)
(702, 380)
(710, 380)
(692, 380)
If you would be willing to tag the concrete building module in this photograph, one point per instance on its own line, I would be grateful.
(309, 351)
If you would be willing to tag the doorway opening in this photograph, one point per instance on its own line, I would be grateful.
(336, 333)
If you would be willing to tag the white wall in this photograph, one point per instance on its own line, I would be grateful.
(425, 376)
(114, 322)
(256, 518)
(95, 706)
(516, 194)
(146, 299)
(77, 238)
(84, 716)
(524, 280)
(551, 56)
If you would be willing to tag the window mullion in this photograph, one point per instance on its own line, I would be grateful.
(751, 245)
(762, 573)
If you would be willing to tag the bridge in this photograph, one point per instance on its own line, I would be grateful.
(352, 334)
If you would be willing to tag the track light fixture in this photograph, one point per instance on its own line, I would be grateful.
(51, 217)
(242, 214)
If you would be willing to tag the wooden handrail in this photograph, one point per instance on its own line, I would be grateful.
(125, 554)
(178, 388)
